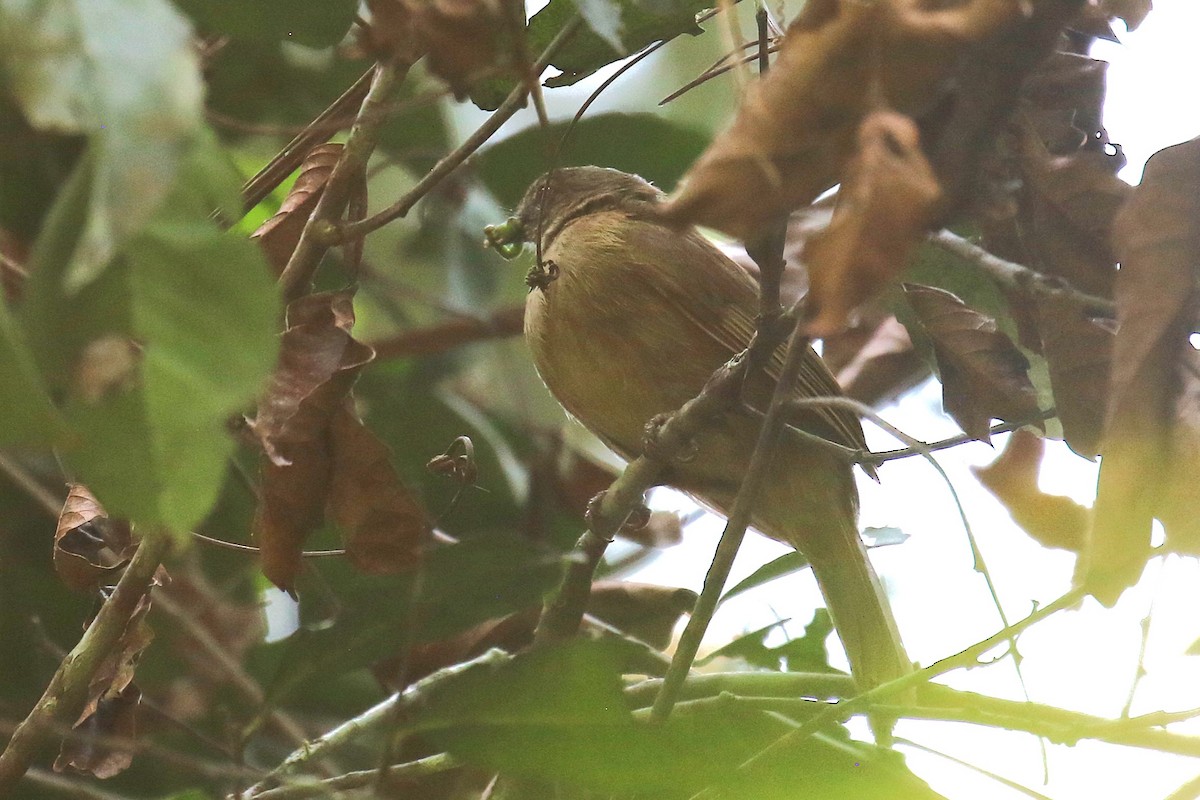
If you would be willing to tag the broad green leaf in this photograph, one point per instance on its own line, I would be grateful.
(604, 18)
(642, 22)
(556, 715)
(461, 585)
(645, 144)
(123, 72)
(182, 330)
(313, 23)
(28, 416)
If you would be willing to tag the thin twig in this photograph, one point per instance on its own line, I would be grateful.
(185, 761)
(1018, 276)
(452, 160)
(68, 689)
(422, 767)
(238, 677)
(30, 485)
(1025, 790)
(884, 456)
(373, 719)
(294, 153)
(69, 787)
(346, 174)
(451, 334)
(735, 529)
(964, 658)
(1188, 791)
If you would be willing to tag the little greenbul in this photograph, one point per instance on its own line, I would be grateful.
(627, 319)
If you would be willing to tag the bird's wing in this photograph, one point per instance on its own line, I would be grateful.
(726, 313)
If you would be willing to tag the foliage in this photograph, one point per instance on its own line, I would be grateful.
(316, 395)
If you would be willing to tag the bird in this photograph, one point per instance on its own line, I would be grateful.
(627, 318)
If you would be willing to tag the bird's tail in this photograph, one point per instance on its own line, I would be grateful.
(819, 518)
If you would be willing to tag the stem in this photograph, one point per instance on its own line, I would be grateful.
(443, 336)
(452, 160)
(964, 658)
(1018, 276)
(347, 173)
(67, 692)
(735, 530)
(430, 765)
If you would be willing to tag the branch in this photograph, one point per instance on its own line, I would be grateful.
(373, 719)
(884, 456)
(67, 693)
(238, 677)
(348, 172)
(965, 658)
(448, 335)
(422, 767)
(451, 161)
(293, 154)
(1020, 277)
(735, 527)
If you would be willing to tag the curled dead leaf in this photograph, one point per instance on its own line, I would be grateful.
(114, 717)
(1152, 422)
(1052, 520)
(382, 524)
(462, 40)
(279, 234)
(884, 367)
(90, 548)
(887, 202)
(794, 130)
(318, 363)
(984, 375)
(1078, 353)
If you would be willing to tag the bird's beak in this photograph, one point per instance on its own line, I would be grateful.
(508, 238)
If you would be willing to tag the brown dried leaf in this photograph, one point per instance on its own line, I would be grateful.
(463, 40)
(887, 202)
(1051, 519)
(318, 363)
(794, 130)
(1157, 238)
(1067, 209)
(114, 716)
(1133, 12)
(90, 549)
(885, 367)
(382, 524)
(1078, 352)
(114, 676)
(983, 373)
(279, 234)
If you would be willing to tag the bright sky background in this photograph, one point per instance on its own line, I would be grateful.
(1079, 660)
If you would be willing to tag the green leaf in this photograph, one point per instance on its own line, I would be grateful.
(124, 72)
(202, 309)
(786, 564)
(313, 23)
(642, 22)
(557, 715)
(29, 416)
(604, 18)
(644, 144)
(461, 585)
